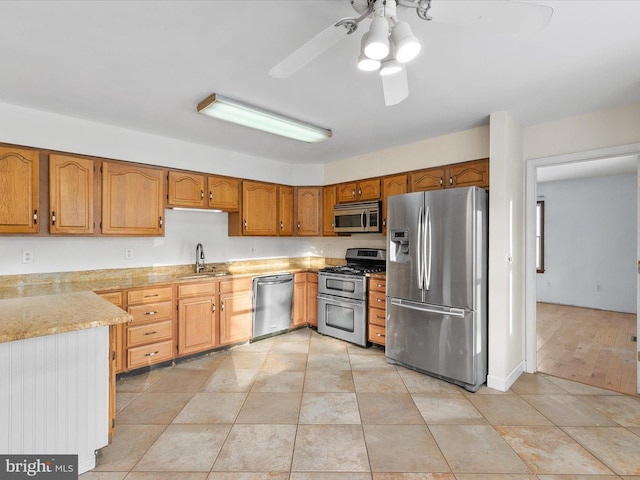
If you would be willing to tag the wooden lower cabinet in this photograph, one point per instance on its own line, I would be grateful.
(197, 317)
(377, 310)
(236, 310)
(305, 299)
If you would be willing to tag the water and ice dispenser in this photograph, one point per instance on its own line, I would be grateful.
(399, 246)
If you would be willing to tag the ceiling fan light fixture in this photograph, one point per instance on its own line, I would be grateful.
(376, 45)
(365, 63)
(390, 67)
(406, 44)
(235, 111)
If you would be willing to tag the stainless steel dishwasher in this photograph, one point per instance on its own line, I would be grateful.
(272, 304)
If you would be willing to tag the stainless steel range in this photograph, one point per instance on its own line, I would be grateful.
(342, 295)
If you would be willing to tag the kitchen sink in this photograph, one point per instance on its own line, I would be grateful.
(195, 276)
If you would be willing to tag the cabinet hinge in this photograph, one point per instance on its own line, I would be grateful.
(113, 423)
(113, 355)
(100, 168)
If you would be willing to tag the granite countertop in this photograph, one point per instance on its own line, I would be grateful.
(36, 316)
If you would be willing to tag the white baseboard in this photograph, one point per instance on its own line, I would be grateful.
(504, 384)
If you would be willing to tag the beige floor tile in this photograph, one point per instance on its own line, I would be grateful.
(388, 409)
(507, 410)
(226, 380)
(275, 381)
(290, 347)
(180, 380)
(417, 382)
(130, 443)
(270, 407)
(207, 362)
(495, 476)
(550, 450)
(447, 409)
(358, 350)
(140, 382)
(153, 408)
(124, 399)
(239, 360)
(211, 408)
(285, 361)
(167, 476)
(414, 476)
(616, 447)
(257, 448)
(93, 475)
(581, 477)
(623, 409)
(328, 361)
(403, 448)
(329, 381)
(299, 335)
(261, 346)
(320, 344)
(329, 408)
(330, 448)
(248, 476)
(476, 449)
(531, 384)
(360, 361)
(329, 476)
(576, 388)
(185, 448)
(568, 410)
(378, 381)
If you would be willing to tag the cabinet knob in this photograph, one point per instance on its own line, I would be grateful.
(359, 192)
(210, 195)
(151, 354)
(450, 180)
(244, 224)
(213, 308)
(298, 225)
(53, 218)
(201, 194)
(353, 193)
(222, 306)
(161, 221)
(281, 225)
(441, 181)
(150, 333)
(35, 216)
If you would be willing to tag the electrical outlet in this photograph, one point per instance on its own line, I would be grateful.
(598, 288)
(27, 256)
(128, 253)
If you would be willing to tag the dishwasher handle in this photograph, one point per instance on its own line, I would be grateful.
(274, 280)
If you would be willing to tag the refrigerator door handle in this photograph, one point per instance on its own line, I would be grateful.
(454, 312)
(427, 241)
(419, 251)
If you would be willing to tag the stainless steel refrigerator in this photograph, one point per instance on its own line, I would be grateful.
(437, 284)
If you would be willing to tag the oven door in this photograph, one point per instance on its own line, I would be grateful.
(343, 318)
(349, 286)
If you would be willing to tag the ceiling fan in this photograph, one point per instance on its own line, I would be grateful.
(390, 44)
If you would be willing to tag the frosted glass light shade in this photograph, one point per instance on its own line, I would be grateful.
(377, 44)
(406, 45)
(241, 113)
(390, 67)
(365, 63)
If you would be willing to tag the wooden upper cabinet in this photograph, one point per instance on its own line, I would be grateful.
(429, 179)
(329, 199)
(285, 210)
(132, 200)
(19, 190)
(359, 191)
(186, 190)
(259, 210)
(393, 185)
(224, 193)
(71, 195)
(470, 174)
(308, 211)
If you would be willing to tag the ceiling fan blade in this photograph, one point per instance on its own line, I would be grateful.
(499, 16)
(395, 87)
(310, 50)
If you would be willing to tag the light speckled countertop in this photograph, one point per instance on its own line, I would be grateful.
(28, 317)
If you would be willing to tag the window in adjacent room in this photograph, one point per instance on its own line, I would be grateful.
(540, 236)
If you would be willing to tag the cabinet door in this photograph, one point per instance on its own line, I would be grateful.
(308, 211)
(329, 199)
(132, 200)
(186, 190)
(235, 316)
(430, 179)
(299, 299)
(369, 189)
(224, 193)
(70, 195)
(19, 190)
(196, 325)
(285, 211)
(312, 299)
(347, 192)
(391, 186)
(259, 208)
(470, 174)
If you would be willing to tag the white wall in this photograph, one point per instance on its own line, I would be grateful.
(590, 243)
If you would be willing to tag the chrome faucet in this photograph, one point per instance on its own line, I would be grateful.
(199, 258)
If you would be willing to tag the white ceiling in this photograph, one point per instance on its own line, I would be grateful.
(145, 65)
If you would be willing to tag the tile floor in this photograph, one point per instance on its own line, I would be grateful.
(305, 407)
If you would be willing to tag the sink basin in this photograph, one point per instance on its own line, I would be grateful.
(195, 276)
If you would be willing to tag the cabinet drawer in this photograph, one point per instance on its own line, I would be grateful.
(113, 297)
(152, 311)
(149, 295)
(377, 317)
(148, 354)
(378, 285)
(377, 334)
(235, 285)
(377, 299)
(151, 332)
(198, 289)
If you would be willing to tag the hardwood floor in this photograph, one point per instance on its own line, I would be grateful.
(588, 346)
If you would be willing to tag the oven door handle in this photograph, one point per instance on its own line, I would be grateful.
(334, 299)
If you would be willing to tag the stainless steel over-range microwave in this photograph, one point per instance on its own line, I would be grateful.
(361, 217)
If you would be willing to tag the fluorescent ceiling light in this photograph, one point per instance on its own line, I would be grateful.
(241, 113)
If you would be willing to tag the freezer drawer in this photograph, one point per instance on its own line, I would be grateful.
(445, 342)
